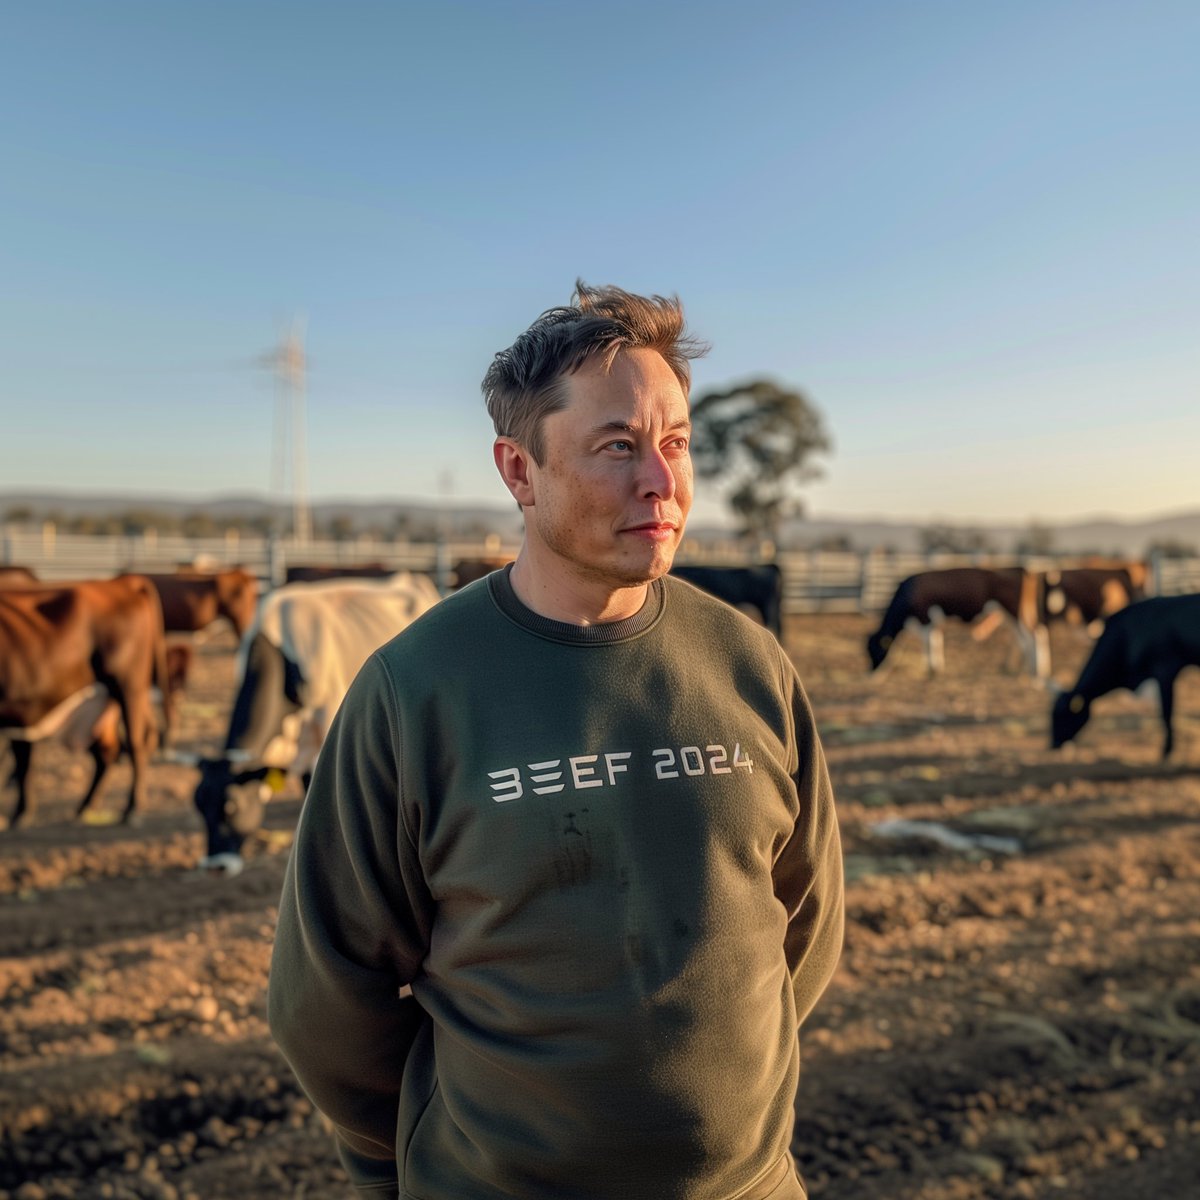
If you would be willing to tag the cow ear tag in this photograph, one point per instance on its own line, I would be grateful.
(275, 779)
(1076, 705)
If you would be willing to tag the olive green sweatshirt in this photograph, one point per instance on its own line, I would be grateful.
(559, 900)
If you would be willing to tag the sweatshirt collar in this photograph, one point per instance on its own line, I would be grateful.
(604, 634)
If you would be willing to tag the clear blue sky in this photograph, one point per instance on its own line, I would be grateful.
(970, 231)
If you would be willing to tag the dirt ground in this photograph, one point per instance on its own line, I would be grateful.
(1016, 1014)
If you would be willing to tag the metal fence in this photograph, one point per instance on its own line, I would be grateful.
(814, 581)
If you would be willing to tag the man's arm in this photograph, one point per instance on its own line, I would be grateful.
(808, 872)
(353, 928)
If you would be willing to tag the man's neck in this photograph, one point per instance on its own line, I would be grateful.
(573, 599)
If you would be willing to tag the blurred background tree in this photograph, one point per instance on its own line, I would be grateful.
(951, 539)
(757, 438)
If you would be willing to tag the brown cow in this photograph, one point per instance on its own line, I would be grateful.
(69, 656)
(193, 600)
(1087, 596)
(923, 602)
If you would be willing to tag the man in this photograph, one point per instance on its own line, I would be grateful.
(568, 876)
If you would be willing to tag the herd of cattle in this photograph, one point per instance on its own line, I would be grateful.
(1140, 640)
(86, 662)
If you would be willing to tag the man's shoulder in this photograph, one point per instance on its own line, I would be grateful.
(450, 623)
(690, 604)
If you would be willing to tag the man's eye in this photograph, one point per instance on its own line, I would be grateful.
(620, 444)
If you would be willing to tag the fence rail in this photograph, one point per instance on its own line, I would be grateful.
(814, 581)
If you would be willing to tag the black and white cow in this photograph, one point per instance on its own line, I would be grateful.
(759, 587)
(1152, 640)
(296, 662)
(923, 602)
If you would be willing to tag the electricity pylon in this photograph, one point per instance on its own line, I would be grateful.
(290, 365)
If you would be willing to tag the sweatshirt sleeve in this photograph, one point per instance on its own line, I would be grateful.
(808, 871)
(353, 929)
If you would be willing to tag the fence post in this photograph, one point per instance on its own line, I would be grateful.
(276, 570)
(1156, 572)
(441, 569)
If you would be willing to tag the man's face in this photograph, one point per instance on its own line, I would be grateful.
(615, 485)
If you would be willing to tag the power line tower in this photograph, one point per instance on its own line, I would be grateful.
(290, 365)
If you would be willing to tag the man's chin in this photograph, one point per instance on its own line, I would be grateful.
(647, 570)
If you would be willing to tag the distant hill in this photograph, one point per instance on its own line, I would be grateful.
(1103, 535)
(1096, 535)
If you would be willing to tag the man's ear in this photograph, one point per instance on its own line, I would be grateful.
(514, 463)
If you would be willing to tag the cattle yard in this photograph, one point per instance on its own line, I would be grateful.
(813, 580)
(1016, 1014)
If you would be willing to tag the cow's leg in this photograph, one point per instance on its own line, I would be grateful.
(102, 759)
(1035, 647)
(105, 749)
(139, 733)
(993, 618)
(1166, 695)
(1041, 651)
(935, 648)
(22, 755)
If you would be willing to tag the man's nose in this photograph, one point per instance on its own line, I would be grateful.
(656, 476)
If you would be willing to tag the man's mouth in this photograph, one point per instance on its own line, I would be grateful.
(654, 531)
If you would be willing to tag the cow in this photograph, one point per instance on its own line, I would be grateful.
(922, 602)
(1149, 640)
(1087, 596)
(193, 600)
(758, 587)
(74, 659)
(315, 573)
(295, 665)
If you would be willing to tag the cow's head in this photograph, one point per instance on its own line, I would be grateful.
(1067, 718)
(235, 785)
(237, 598)
(230, 800)
(878, 645)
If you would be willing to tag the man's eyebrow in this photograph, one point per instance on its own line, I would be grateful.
(629, 427)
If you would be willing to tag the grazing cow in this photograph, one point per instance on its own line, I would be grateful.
(1148, 640)
(1088, 596)
(296, 663)
(315, 573)
(467, 570)
(759, 587)
(72, 660)
(922, 602)
(193, 600)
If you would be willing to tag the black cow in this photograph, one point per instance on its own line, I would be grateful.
(760, 587)
(1150, 640)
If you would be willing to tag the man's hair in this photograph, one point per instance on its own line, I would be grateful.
(526, 382)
